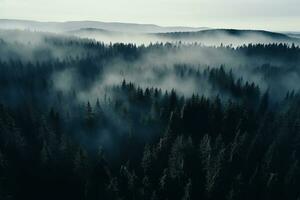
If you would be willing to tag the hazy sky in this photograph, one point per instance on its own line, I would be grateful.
(277, 15)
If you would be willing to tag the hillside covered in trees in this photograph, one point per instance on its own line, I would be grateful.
(81, 119)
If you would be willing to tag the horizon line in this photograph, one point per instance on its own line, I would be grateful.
(147, 24)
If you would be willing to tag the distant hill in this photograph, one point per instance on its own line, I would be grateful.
(221, 32)
(209, 37)
(294, 35)
(76, 25)
(230, 36)
(149, 33)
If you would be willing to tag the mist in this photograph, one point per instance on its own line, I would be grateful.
(211, 37)
(97, 102)
(155, 65)
(92, 113)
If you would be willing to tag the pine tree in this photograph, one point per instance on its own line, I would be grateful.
(81, 163)
(147, 159)
(89, 117)
(187, 191)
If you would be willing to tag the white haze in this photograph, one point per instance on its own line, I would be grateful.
(219, 37)
(275, 15)
(154, 69)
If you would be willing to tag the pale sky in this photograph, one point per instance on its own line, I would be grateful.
(276, 15)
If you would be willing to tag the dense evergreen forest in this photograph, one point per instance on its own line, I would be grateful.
(85, 120)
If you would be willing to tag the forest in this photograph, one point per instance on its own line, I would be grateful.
(84, 120)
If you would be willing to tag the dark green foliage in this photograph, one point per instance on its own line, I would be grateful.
(133, 142)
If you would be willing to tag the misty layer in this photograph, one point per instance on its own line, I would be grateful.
(92, 68)
(210, 37)
(48, 70)
(81, 119)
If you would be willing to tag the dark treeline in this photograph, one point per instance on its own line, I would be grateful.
(240, 141)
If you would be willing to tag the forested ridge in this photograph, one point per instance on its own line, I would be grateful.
(83, 120)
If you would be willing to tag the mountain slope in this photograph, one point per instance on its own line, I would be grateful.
(209, 37)
(76, 25)
(221, 32)
(149, 33)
